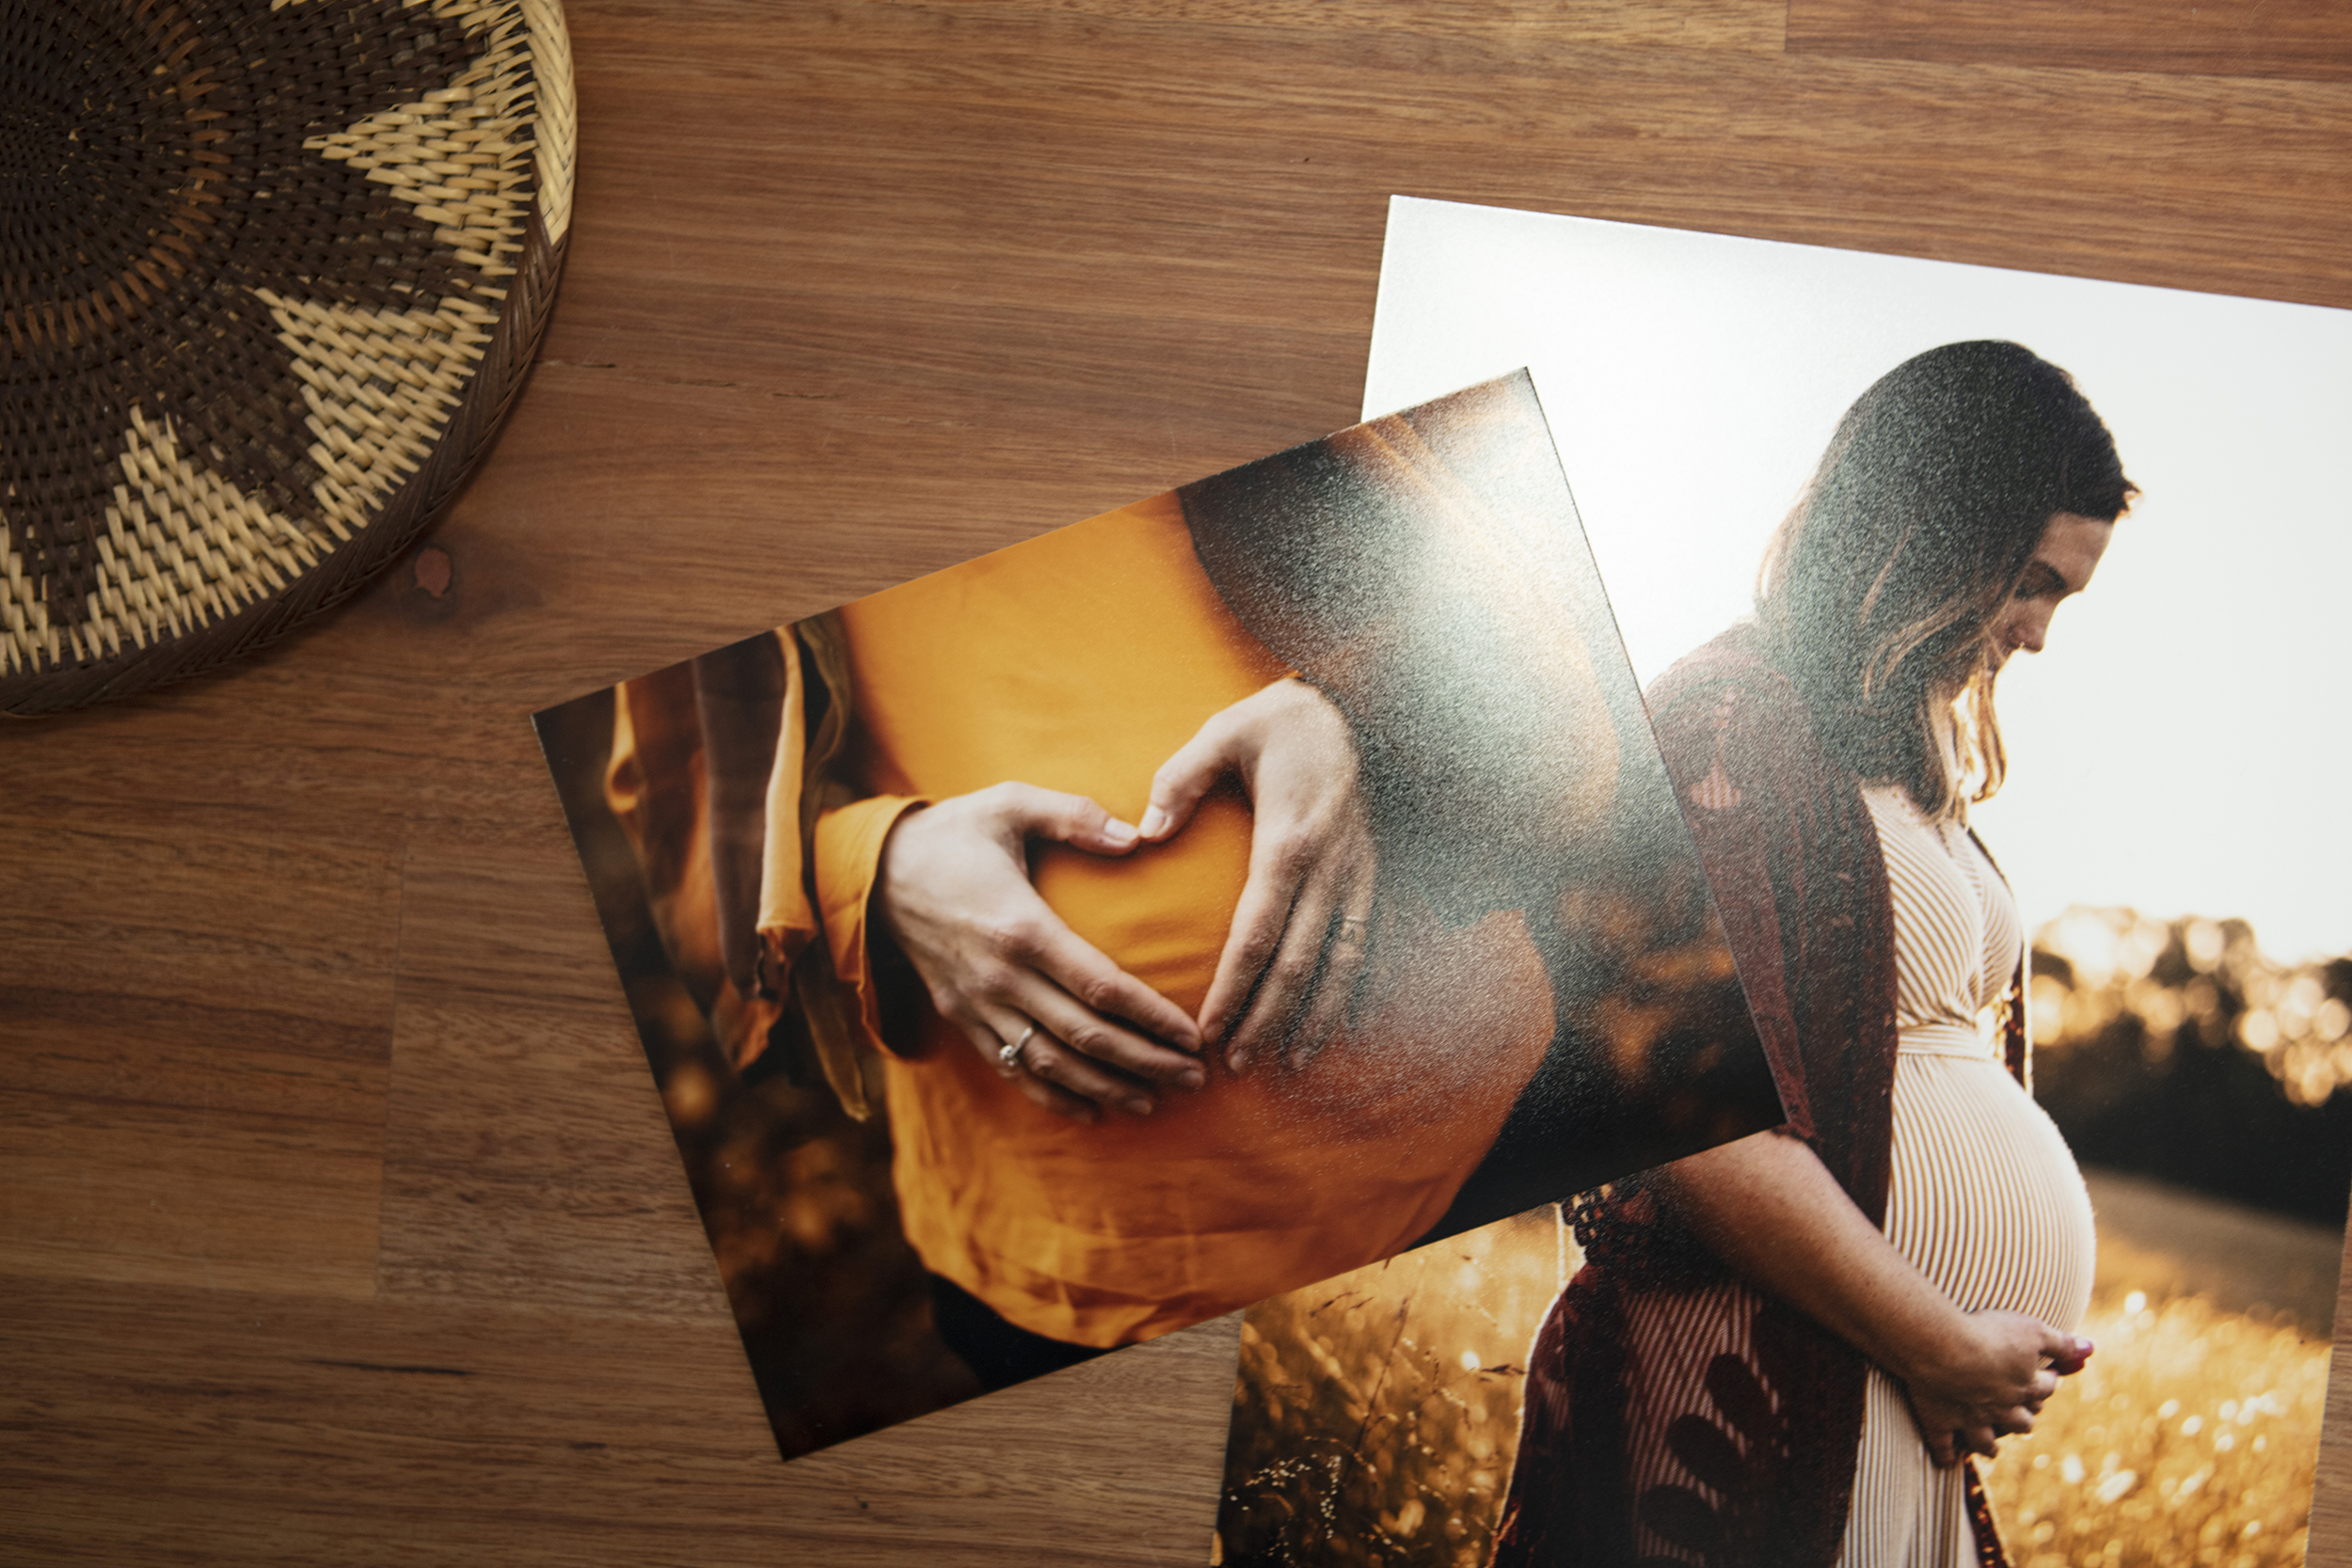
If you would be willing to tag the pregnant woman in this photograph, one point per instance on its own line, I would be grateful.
(1784, 1350)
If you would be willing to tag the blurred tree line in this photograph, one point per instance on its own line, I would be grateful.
(2178, 1050)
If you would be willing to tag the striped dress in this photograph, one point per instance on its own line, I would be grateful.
(1674, 1413)
(1985, 1198)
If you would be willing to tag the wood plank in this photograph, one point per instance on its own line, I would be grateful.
(2332, 1493)
(332, 741)
(185, 1098)
(1181, 145)
(2290, 40)
(528, 1158)
(1755, 24)
(259, 1429)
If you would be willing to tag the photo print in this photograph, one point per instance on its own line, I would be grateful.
(1223, 894)
(1628, 1379)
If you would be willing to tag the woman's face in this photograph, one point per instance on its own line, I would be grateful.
(2061, 566)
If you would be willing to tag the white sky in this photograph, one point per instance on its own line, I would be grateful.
(2174, 749)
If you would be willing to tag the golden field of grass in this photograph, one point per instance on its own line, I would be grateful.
(1376, 1415)
(2191, 1437)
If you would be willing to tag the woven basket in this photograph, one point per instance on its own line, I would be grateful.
(271, 272)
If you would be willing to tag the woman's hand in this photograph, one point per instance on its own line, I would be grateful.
(1303, 928)
(1767, 1206)
(1987, 1380)
(954, 892)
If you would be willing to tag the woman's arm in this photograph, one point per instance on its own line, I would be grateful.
(1767, 1207)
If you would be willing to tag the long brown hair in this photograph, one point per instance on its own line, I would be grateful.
(1880, 591)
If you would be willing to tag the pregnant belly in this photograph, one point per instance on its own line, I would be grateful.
(1986, 1198)
(1255, 1186)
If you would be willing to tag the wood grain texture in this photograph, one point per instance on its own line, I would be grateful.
(338, 1220)
(2331, 1496)
(262, 1428)
(185, 1098)
(577, 1202)
(2306, 38)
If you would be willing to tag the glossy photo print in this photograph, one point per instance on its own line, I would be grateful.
(1223, 894)
(2050, 1277)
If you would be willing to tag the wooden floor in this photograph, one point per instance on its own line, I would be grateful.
(338, 1221)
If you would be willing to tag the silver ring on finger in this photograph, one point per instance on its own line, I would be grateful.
(1009, 1055)
(1355, 929)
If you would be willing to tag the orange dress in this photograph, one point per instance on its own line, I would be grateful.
(1079, 661)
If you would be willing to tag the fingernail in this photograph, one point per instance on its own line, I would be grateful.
(1120, 832)
(1154, 822)
(1191, 1079)
(1138, 1105)
(1238, 1061)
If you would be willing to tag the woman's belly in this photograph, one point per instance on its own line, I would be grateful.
(1255, 1186)
(1986, 1197)
(1079, 661)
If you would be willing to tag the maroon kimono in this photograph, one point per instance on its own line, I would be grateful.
(1798, 875)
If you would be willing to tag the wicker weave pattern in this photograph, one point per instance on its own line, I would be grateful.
(269, 273)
